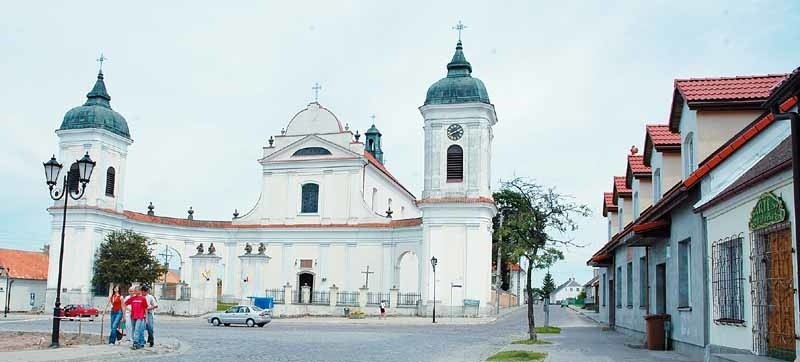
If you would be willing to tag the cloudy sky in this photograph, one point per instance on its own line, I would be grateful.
(203, 87)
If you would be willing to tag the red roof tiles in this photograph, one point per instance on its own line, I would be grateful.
(620, 187)
(608, 203)
(728, 88)
(25, 264)
(661, 136)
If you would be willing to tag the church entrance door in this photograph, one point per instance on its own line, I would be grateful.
(305, 279)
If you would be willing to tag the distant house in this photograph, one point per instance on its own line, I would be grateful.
(570, 289)
(23, 279)
(590, 289)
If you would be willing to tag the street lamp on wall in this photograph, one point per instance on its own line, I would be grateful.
(52, 168)
(434, 261)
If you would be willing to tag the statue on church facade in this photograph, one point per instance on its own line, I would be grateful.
(211, 249)
(261, 248)
(200, 249)
(248, 249)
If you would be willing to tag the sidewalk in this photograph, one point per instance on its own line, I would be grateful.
(584, 340)
(105, 352)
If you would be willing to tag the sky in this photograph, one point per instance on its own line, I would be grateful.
(204, 86)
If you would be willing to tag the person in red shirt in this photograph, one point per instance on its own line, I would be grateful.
(115, 302)
(138, 305)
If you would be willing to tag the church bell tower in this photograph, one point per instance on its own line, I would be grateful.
(457, 206)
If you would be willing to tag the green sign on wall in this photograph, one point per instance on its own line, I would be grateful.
(769, 210)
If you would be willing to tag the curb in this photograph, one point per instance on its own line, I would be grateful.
(91, 353)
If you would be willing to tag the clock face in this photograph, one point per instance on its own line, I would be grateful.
(454, 132)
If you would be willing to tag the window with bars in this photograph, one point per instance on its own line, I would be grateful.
(684, 273)
(643, 297)
(310, 198)
(727, 279)
(110, 179)
(455, 164)
(618, 287)
(629, 285)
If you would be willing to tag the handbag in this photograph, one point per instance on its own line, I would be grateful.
(120, 334)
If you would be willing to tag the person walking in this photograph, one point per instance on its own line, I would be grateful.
(127, 322)
(115, 302)
(138, 305)
(383, 309)
(152, 304)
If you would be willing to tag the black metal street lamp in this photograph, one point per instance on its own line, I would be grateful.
(7, 272)
(70, 186)
(434, 261)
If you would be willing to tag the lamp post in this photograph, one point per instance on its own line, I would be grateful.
(434, 261)
(69, 186)
(7, 272)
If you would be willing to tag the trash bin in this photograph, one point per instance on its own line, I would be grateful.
(346, 312)
(656, 332)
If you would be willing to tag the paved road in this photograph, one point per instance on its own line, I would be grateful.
(310, 340)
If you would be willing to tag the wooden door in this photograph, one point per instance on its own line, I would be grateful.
(780, 295)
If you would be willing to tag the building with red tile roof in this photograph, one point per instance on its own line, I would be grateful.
(22, 264)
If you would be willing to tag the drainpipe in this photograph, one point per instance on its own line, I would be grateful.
(794, 118)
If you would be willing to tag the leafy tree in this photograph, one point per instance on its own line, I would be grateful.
(548, 285)
(533, 223)
(125, 257)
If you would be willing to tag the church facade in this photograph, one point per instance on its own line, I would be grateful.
(329, 210)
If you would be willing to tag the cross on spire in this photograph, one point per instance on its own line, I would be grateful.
(101, 60)
(316, 89)
(459, 27)
(373, 118)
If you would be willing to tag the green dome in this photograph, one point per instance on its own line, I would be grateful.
(96, 113)
(459, 86)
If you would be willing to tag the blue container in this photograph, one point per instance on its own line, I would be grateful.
(264, 302)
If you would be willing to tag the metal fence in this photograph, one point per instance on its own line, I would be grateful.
(278, 295)
(347, 298)
(375, 298)
(407, 299)
(320, 297)
(186, 292)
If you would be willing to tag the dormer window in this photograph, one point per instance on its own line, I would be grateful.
(312, 151)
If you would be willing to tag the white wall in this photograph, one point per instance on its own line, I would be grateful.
(23, 293)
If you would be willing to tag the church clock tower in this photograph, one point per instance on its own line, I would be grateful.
(457, 206)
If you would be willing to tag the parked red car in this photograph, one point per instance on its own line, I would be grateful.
(79, 311)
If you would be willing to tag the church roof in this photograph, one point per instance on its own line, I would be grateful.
(96, 112)
(374, 162)
(25, 264)
(458, 86)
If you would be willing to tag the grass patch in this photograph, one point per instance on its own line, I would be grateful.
(549, 329)
(531, 341)
(518, 356)
(224, 306)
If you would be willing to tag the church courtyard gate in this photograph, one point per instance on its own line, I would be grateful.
(773, 292)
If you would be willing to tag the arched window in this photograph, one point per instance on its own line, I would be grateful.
(455, 164)
(657, 185)
(310, 198)
(110, 178)
(73, 178)
(688, 152)
(312, 151)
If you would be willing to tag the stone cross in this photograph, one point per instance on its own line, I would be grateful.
(459, 27)
(316, 89)
(366, 277)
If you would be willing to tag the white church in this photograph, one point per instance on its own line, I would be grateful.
(328, 208)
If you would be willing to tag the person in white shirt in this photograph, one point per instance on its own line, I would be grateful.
(152, 304)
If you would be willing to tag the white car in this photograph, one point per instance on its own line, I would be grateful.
(248, 315)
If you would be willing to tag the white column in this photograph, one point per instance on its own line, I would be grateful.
(388, 266)
(204, 283)
(252, 277)
(229, 283)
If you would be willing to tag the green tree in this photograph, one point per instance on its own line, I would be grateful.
(125, 257)
(548, 285)
(533, 222)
